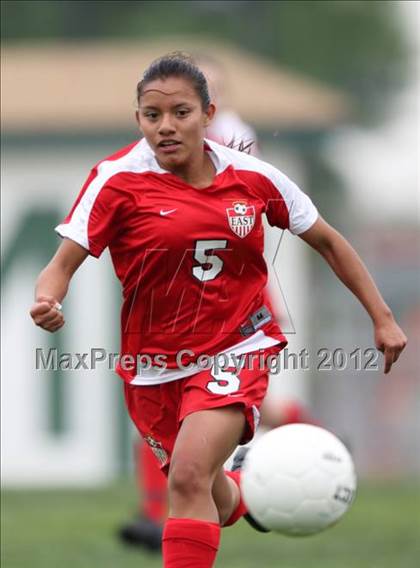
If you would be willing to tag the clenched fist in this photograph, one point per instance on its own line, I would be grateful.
(390, 340)
(46, 312)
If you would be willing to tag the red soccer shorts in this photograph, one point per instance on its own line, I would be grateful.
(158, 410)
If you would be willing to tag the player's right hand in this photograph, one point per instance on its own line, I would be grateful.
(47, 314)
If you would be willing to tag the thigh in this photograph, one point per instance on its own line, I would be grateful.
(208, 437)
(155, 412)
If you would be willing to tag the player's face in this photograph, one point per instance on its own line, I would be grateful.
(173, 121)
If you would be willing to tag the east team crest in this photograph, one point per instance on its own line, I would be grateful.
(241, 218)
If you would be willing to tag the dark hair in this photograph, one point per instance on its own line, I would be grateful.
(241, 145)
(176, 64)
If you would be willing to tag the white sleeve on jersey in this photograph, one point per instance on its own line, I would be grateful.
(302, 212)
(277, 190)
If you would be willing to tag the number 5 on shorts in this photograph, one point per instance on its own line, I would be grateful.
(225, 382)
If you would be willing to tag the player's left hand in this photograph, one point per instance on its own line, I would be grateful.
(390, 340)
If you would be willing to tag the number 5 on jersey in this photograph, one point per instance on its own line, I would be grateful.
(211, 264)
(225, 382)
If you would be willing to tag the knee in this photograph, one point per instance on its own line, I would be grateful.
(188, 478)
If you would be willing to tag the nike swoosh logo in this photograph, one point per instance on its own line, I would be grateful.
(162, 212)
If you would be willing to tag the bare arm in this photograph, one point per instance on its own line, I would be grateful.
(52, 285)
(350, 269)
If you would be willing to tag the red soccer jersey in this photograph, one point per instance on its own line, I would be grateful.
(190, 261)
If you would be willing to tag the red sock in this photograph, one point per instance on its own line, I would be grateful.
(188, 543)
(152, 484)
(241, 509)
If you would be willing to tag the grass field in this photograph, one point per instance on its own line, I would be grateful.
(76, 529)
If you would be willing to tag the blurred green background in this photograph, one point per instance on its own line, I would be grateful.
(358, 46)
(77, 528)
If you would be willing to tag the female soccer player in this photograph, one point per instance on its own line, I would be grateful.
(182, 217)
(145, 529)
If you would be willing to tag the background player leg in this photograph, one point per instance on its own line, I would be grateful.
(153, 485)
(146, 528)
(276, 413)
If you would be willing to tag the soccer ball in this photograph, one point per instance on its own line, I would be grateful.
(298, 479)
(239, 208)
